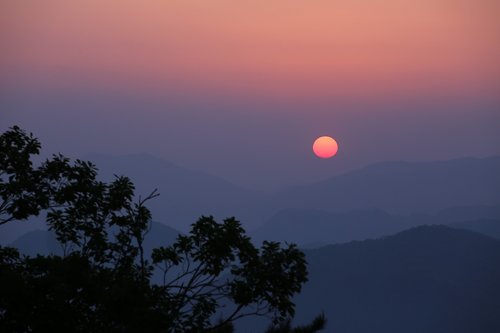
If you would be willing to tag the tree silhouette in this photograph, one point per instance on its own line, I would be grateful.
(104, 281)
(19, 182)
(317, 324)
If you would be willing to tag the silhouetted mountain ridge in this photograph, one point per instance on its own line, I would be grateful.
(184, 194)
(403, 187)
(400, 188)
(425, 279)
(308, 226)
(44, 242)
(312, 228)
(488, 227)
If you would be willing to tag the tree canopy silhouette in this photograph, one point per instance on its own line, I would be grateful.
(104, 281)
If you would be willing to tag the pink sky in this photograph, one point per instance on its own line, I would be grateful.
(241, 89)
(281, 48)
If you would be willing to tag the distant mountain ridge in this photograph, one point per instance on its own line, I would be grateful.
(400, 188)
(312, 228)
(185, 194)
(426, 279)
(432, 279)
(488, 227)
(44, 242)
(403, 187)
(395, 187)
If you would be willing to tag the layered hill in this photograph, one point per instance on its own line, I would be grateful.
(411, 189)
(44, 242)
(425, 279)
(402, 187)
(311, 228)
(185, 194)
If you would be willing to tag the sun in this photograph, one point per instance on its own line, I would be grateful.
(325, 147)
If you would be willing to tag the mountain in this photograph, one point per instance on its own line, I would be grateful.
(467, 213)
(44, 242)
(312, 228)
(402, 187)
(426, 279)
(185, 194)
(396, 187)
(11, 231)
(37, 242)
(487, 227)
(399, 188)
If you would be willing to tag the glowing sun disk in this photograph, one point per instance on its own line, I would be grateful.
(325, 147)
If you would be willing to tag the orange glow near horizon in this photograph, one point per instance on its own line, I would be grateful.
(282, 47)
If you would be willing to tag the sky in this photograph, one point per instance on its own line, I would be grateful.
(240, 89)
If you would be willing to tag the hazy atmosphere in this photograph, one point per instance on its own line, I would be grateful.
(217, 105)
(240, 90)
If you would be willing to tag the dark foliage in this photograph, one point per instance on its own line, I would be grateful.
(19, 183)
(286, 327)
(103, 280)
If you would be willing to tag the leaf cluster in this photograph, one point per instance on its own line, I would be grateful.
(104, 281)
(216, 262)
